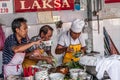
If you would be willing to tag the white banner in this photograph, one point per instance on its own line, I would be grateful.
(6, 6)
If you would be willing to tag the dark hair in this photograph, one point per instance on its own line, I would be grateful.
(17, 23)
(45, 29)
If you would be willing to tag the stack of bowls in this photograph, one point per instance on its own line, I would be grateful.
(56, 76)
(41, 75)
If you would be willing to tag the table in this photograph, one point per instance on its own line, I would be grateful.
(90, 63)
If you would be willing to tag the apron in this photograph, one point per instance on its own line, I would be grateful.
(15, 65)
(29, 62)
(70, 56)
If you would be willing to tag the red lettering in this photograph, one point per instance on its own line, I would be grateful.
(3, 10)
(6, 10)
(43, 5)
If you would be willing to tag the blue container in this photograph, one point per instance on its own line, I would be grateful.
(77, 6)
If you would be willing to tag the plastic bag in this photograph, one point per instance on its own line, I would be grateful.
(2, 38)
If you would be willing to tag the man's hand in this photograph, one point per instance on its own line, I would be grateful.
(70, 50)
(49, 60)
(38, 42)
(37, 53)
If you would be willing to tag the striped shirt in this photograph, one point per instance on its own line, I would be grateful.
(41, 46)
(35, 38)
(9, 43)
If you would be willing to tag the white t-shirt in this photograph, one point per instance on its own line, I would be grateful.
(65, 40)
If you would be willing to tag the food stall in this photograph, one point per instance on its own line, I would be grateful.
(97, 14)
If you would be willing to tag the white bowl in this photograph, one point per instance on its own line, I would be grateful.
(74, 73)
(56, 76)
(83, 75)
(46, 65)
(41, 75)
(75, 70)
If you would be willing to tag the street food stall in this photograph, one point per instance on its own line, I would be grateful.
(101, 31)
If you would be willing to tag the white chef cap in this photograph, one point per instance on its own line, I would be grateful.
(77, 25)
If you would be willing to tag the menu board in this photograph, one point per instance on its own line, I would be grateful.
(45, 17)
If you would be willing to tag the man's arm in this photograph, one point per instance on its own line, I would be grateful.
(23, 47)
(60, 49)
(83, 49)
(49, 53)
(42, 58)
(36, 55)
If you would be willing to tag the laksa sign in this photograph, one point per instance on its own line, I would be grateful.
(42, 5)
(112, 1)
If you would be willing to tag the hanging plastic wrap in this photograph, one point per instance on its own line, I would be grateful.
(2, 38)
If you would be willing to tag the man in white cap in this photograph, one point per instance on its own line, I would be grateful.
(72, 41)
